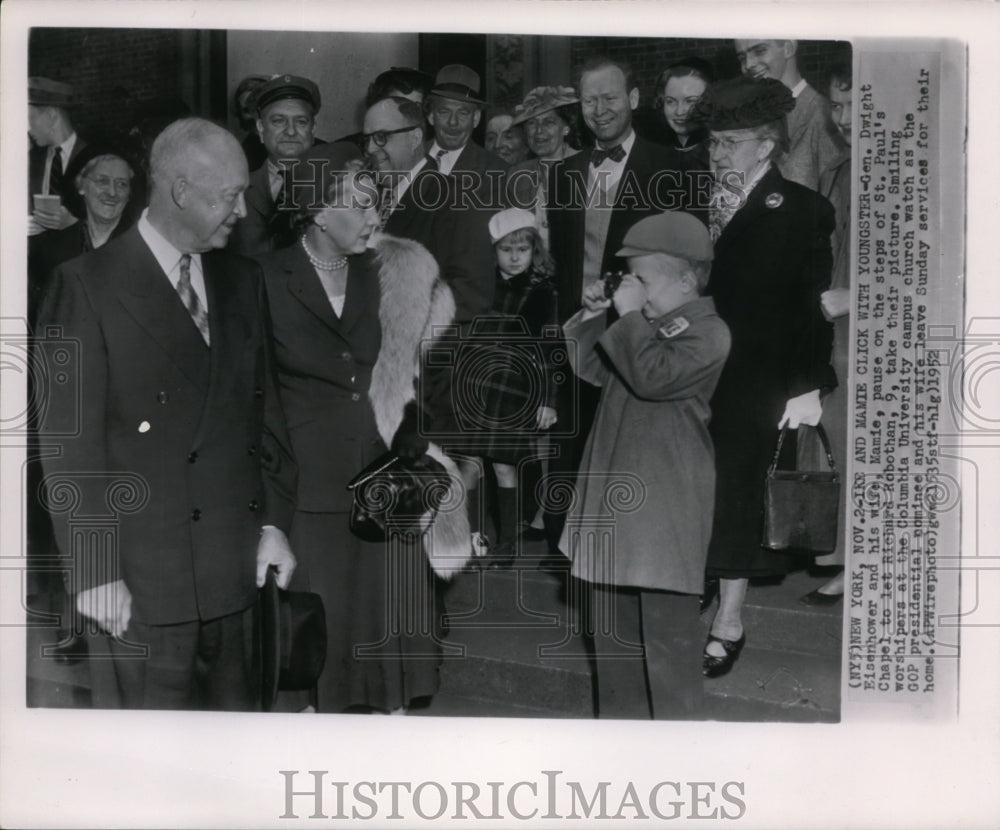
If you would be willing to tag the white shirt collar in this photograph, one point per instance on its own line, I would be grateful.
(445, 158)
(799, 87)
(66, 147)
(168, 257)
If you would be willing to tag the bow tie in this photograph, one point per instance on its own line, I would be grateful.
(616, 153)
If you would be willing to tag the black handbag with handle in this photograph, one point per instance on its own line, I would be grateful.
(801, 506)
(395, 492)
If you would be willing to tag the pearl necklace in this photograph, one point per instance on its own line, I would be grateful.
(323, 264)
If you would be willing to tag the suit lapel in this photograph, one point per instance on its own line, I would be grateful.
(304, 285)
(153, 303)
(258, 194)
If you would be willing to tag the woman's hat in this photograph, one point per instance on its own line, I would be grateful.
(291, 638)
(543, 99)
(458, 83)
(508, 221)
(744, 102)
(313, 171)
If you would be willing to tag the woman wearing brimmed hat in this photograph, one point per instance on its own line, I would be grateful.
(348, 321)
(549, 117)
(772, 262)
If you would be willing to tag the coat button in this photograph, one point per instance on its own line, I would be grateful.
(353, 377)
(162, 397)
(258, 393)
(251, 450)
(192, 457)
(195, 515)
(355, 397)
(253, 505)
(345, 356)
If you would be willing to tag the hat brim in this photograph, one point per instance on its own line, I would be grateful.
(458, 95)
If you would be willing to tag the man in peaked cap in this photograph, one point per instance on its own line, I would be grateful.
(813, 140)
(772, 263)
(55, 144)
(657, 364)
(286, 115)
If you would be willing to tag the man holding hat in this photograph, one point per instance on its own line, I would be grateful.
(286, 114)
(54, 145)
(772, 263)
(639, 529)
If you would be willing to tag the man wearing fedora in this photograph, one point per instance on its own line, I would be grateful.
(454, 110)
(286, 114)
(55, 144)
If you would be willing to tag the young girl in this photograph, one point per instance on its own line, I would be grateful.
(513, 375)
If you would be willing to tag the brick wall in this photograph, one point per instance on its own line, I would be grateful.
(649, 56)
(112, 70)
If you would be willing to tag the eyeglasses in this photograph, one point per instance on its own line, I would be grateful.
(728, 145)
(107, 183)
(380, 137)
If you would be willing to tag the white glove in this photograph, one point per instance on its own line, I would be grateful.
(805, 409)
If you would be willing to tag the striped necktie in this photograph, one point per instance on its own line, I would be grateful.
(190, 299)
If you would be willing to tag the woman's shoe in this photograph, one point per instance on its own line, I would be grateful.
(713, 666)
(821, 600)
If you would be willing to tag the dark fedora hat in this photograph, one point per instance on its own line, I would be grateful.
(292, 640)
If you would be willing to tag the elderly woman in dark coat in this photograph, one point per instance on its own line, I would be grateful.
(348, 322)
(772, 263)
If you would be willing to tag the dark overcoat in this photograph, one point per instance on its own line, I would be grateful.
(771, 264)
(181, 445)
(642, 511)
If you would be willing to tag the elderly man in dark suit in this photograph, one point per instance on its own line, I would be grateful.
(178, 403)
(55, 144)
(594, 197)
(286, 114)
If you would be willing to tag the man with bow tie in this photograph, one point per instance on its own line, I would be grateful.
(595, 197)
(170, 429)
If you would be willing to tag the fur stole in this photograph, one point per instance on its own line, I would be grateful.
(413, 301)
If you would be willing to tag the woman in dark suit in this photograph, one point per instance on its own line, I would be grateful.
(772, 263)
(346, 378)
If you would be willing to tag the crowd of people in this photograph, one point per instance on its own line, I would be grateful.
(589, 300)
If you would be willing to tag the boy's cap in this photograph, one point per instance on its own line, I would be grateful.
(508, 221)
(673, 232)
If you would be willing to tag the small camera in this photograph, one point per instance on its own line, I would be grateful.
(611, 280)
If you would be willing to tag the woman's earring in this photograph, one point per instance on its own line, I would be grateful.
(321, 226)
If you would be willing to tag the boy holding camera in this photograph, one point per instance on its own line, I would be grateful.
(639, 528)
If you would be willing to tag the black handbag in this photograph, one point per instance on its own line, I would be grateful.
(396, 493)
(801, 506)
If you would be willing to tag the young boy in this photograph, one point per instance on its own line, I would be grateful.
(639, 529)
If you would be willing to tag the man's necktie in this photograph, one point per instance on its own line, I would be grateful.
(190, 299)
(56, 172)
(616, 153)
(434, 163)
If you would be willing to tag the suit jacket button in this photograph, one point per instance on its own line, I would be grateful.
(355, 397)
(251, 450)
(163, 397)
(253, 505)
(192, 457)
(258, 393)
(345, 356)
(195, 515)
